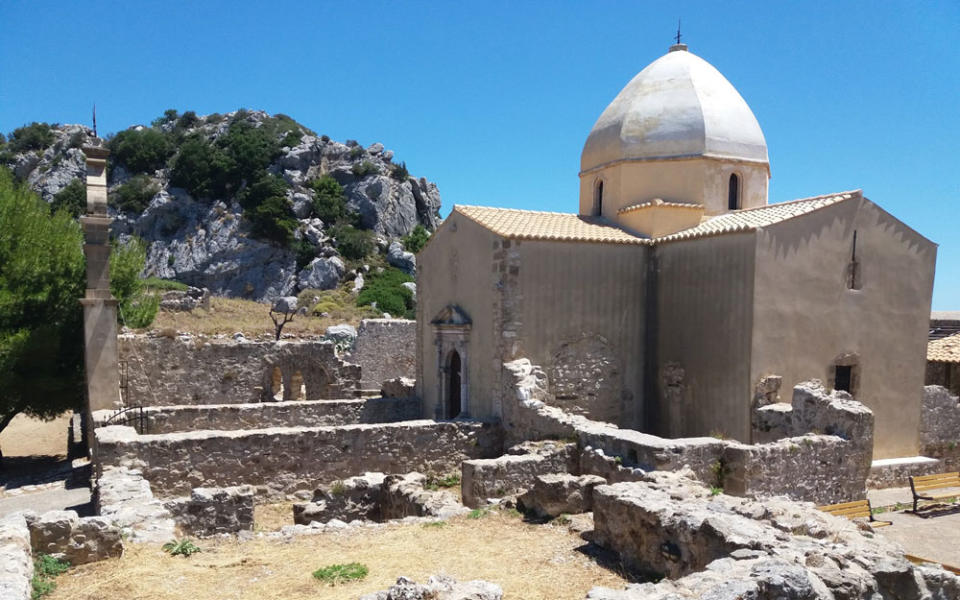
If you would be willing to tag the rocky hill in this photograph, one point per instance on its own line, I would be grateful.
(247, 204)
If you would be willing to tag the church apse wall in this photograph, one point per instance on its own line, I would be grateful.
(701, 370)
(853, 317)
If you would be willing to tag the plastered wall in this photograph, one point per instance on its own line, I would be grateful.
(701, 369)
(456, 267)
(694, 180)
(806, 317)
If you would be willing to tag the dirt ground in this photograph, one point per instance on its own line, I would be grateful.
(532, 562)
(26, 436)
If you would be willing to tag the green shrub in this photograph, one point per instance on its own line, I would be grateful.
(35, 136)
(169, 116)
(417, 239)
(135, 195)
(329, 201)
(137, 307)
(478, 513)
(72, 198)
(188, 119)
(387, 291)
(435, 482)
(355, 152)
(214, 118)
(267, 186)
(164, 285)
(362, 169)
(201, 168)
(45, 569)
(400, 172)
(305, 252)
(353, 243)
(140, 151)
(182, 547)
(273, 220)
(251, 148)
(337, 574)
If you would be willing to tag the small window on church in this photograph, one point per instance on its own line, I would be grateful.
(843, 378)
(598, 203)
(733, 196)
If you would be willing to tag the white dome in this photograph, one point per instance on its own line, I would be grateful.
(680, 105)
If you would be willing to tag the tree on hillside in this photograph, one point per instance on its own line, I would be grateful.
(42, 278)
(41, 321)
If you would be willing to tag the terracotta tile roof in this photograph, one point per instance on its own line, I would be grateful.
(945, 349)
(658, 202)
(754, 218)
(536, 225)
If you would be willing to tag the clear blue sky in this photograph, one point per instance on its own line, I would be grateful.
(494, 100)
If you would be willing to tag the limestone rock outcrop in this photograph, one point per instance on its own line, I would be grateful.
(209, 242)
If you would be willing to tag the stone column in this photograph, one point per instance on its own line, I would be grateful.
(99, 306)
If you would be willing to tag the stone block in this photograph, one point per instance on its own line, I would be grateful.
(214, 511)
(485, 479)
(61, 533)
(438, 587)
(16, 562)
(554, 495)
(405, 496)
(346, 500)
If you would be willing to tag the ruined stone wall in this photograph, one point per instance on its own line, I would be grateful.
(162, 371)
(307, 413)
(385, 349)
(820, 468)
(278, 461)
(711, 545)
(823, 469)
(940, 426)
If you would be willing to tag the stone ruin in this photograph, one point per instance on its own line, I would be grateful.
(716, 518)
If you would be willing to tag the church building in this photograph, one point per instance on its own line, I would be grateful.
(676, 297)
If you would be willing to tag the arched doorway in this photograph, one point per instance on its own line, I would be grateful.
(453, 385)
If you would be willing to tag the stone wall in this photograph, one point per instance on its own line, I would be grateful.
(164, 371)
(16, 563)
(514, 473)
(303, 413)
(63, 534)
(124, 497)
(940, 426)
(826, 468)
(282, 460)
(214, 511)
(385, 349)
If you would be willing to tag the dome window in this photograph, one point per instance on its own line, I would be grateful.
(733, 195)
(598, 199)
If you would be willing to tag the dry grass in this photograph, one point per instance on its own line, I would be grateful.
(229, 315)
(531, 562)
(271, 517)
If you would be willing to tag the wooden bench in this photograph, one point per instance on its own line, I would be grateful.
(923, 485)
(854, 510)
